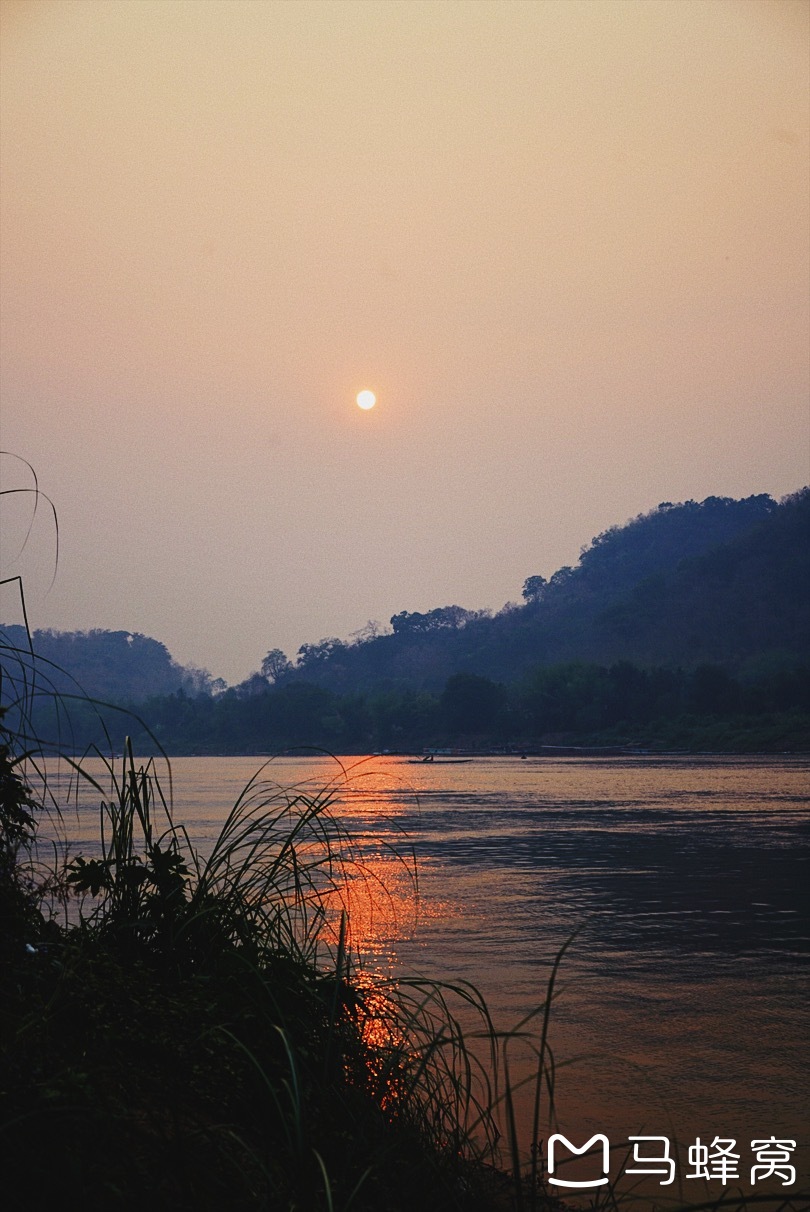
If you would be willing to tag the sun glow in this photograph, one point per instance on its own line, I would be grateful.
(366, 399)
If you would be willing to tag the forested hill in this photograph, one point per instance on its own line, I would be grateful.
(723, 582)
(720, 581)
(113, 666)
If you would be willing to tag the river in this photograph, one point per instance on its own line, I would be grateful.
(682, 1000)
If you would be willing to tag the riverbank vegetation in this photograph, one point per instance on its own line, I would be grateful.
(622, 706)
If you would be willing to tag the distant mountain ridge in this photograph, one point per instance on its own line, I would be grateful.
(721, 581)
(112, 666)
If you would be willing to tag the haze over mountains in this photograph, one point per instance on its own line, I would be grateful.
(721, 581)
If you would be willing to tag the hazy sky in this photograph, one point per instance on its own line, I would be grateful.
(564, 241)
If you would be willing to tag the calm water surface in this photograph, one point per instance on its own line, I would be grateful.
(685, 993)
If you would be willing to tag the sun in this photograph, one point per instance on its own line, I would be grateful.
(366, 399)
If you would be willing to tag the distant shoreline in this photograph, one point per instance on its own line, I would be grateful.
(552, 752)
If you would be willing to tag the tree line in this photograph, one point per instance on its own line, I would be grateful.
(569, 703)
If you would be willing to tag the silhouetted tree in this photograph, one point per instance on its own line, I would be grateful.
(276, 666)
(443, 618)
(534, 589)
(310, 655)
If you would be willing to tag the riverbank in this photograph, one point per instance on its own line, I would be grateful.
(774, 735)
(771, 734)
(621, 707)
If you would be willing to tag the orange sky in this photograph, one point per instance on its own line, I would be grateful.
(566, 243)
